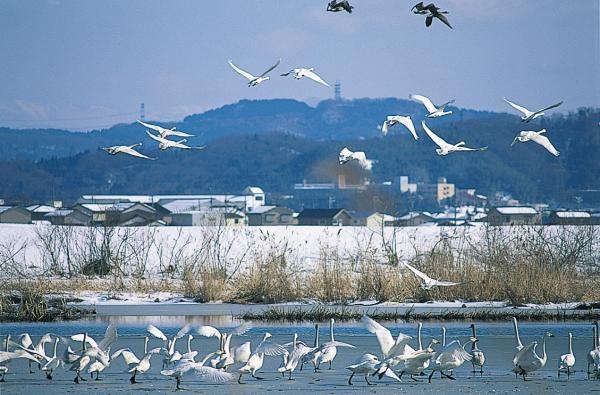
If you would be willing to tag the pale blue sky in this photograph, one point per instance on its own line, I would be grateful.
(78, 63)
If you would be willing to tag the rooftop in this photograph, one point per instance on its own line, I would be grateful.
(516, 210)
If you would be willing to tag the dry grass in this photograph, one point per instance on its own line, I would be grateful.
(520, 265)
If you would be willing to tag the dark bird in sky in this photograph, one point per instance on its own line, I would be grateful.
(337, 6)
(432, 12)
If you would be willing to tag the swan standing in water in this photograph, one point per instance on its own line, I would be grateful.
(567, 361)
(185, 366)
(253, 80)
(294, 357)
(329, 349)
(527, 360)
(256, 359)
(417, 361)
(433, 111)
(451, 357)
(370, 364)
(530, 135)
(478, 356)
(8, 356)
(594, 355)
(315, 352)
(225, 357)
(530, 115)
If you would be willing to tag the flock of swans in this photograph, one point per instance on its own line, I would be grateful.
(396, 356)
(346, 155)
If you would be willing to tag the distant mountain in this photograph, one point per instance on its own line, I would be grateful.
(276, 143)
(329, 120)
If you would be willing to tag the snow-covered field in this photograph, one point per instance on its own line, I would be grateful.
(33, 249)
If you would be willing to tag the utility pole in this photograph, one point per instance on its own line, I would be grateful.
(142, 112)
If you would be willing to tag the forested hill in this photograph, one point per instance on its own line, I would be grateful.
(276, 143)
(329, 120)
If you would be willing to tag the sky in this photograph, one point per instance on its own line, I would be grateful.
(87, 64)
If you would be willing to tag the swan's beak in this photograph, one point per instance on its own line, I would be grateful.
(514, 141)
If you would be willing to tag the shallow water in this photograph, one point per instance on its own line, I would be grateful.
(496, 339)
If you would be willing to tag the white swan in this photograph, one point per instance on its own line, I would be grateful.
(389, 347)
(346, 156)
(128, 356)
(253, 80)
(530, 135)
(478, 355)
(301, 72)
(417, 361)
(593, 356)
(530, 115)
(255, 361)
(38, 351)
(294, 357)
(527, 360)
(53, 362)
(185, 366)
(567, 361)
(328, 350)
(450, 357)
(433, 110)
(519, 345)
(429, 282)
(164, 133)
(399, 119)
(225, 357)
(315, 352)
(126, 149)
(165, 144)
(370, 364)
(8, 356)
(446, 148)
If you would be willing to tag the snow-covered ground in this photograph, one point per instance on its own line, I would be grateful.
(32, 249)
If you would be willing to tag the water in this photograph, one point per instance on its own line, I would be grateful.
(496, 339)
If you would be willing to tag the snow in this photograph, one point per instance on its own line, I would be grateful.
(516, 210)
(573, 214)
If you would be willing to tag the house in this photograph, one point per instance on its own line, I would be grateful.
(226, 216)
(249, 198)
(325, 217)
(414, 218)
(68, 217)
(38, 211)
(14, 215)
(124, 214)
(371, 220)
(270, 216)
(513, 215)
(570, 218)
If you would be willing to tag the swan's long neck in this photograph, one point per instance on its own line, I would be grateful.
(8, 340)
(145, 345)
(443, 337)
(55, 347)
(331, 329)
(316, 336)
(419, 336)
(84, 340)
(189, 343)
(517, 332)
(597, 335)
(570, 343)
(544, 355)
(594, 338)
